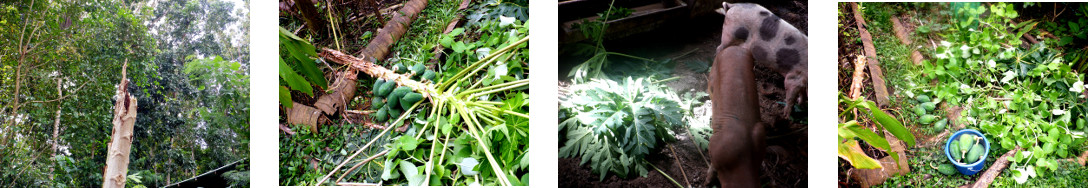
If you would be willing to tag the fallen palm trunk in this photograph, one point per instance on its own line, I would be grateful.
(345, 85)
(124, 118)
(379, 47)
(995, 169)
(306, 115)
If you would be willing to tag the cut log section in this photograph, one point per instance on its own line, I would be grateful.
(875, 73)
(306, 115)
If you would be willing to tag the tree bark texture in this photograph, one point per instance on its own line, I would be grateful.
(124, 119)
(393, 30)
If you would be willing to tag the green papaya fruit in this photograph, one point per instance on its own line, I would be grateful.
(377, 85)
(410, 99)
(1080, 124)
(941, 124)
(386, 88)
(975, 154)
(381, 115)
(394, 97)
(954, 149)
(927, 119)
(429, 75)
(922, 98)
(947, 169)
(377, 103)
(418, 69)
(400, 68)
(919, 110)
(929, 106)
(394, 112)
(966, 141)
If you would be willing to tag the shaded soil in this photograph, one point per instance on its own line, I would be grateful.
(694, 42)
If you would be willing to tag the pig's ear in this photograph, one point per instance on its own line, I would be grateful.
(725, 7)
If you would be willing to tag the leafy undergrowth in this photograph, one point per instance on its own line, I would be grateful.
(981, 75)
(471, 128)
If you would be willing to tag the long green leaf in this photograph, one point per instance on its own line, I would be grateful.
(294, 81)
(889, 123)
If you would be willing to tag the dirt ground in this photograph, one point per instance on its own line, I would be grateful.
(786, 162)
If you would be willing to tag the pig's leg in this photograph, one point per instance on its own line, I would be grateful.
(794, 84)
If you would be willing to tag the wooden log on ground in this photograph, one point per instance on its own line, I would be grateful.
(343, 89)
(124, 118)
(393, 30)
(994, 170)
(306, 115)
(875, 72)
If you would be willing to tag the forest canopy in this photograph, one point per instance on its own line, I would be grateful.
(60, 63)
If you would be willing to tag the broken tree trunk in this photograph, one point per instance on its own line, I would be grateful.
(875, 73)
(343, 89)
(124, 110)
(306, 115)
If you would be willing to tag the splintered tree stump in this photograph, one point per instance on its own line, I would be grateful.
(875, 72)
(124, 118)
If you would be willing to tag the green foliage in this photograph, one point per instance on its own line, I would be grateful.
(613, 125)
(848, 131)
(300, 55)
(193, 96)
(1019, 97)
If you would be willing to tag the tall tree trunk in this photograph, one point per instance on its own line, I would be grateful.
(56, 131)
(124, 118)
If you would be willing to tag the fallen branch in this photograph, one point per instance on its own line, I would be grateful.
(875, 73)
(286, 129)
(994, 170)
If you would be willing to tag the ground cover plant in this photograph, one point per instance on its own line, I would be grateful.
(634, 112)
(993, 67)
(448, 106)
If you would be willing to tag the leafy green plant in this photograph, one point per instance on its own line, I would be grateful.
(300, 55)
(614, 125)
(1027, 98)
(849, 148)
(594, 30)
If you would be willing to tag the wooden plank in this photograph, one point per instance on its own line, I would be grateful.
(875, 72)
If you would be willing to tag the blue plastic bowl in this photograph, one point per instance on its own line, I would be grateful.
(964, 168)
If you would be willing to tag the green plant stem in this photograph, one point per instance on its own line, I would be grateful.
(475, 67)
(499, 110)
(664, 174)
(387, 128)
(470, 120)
(491, 89)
